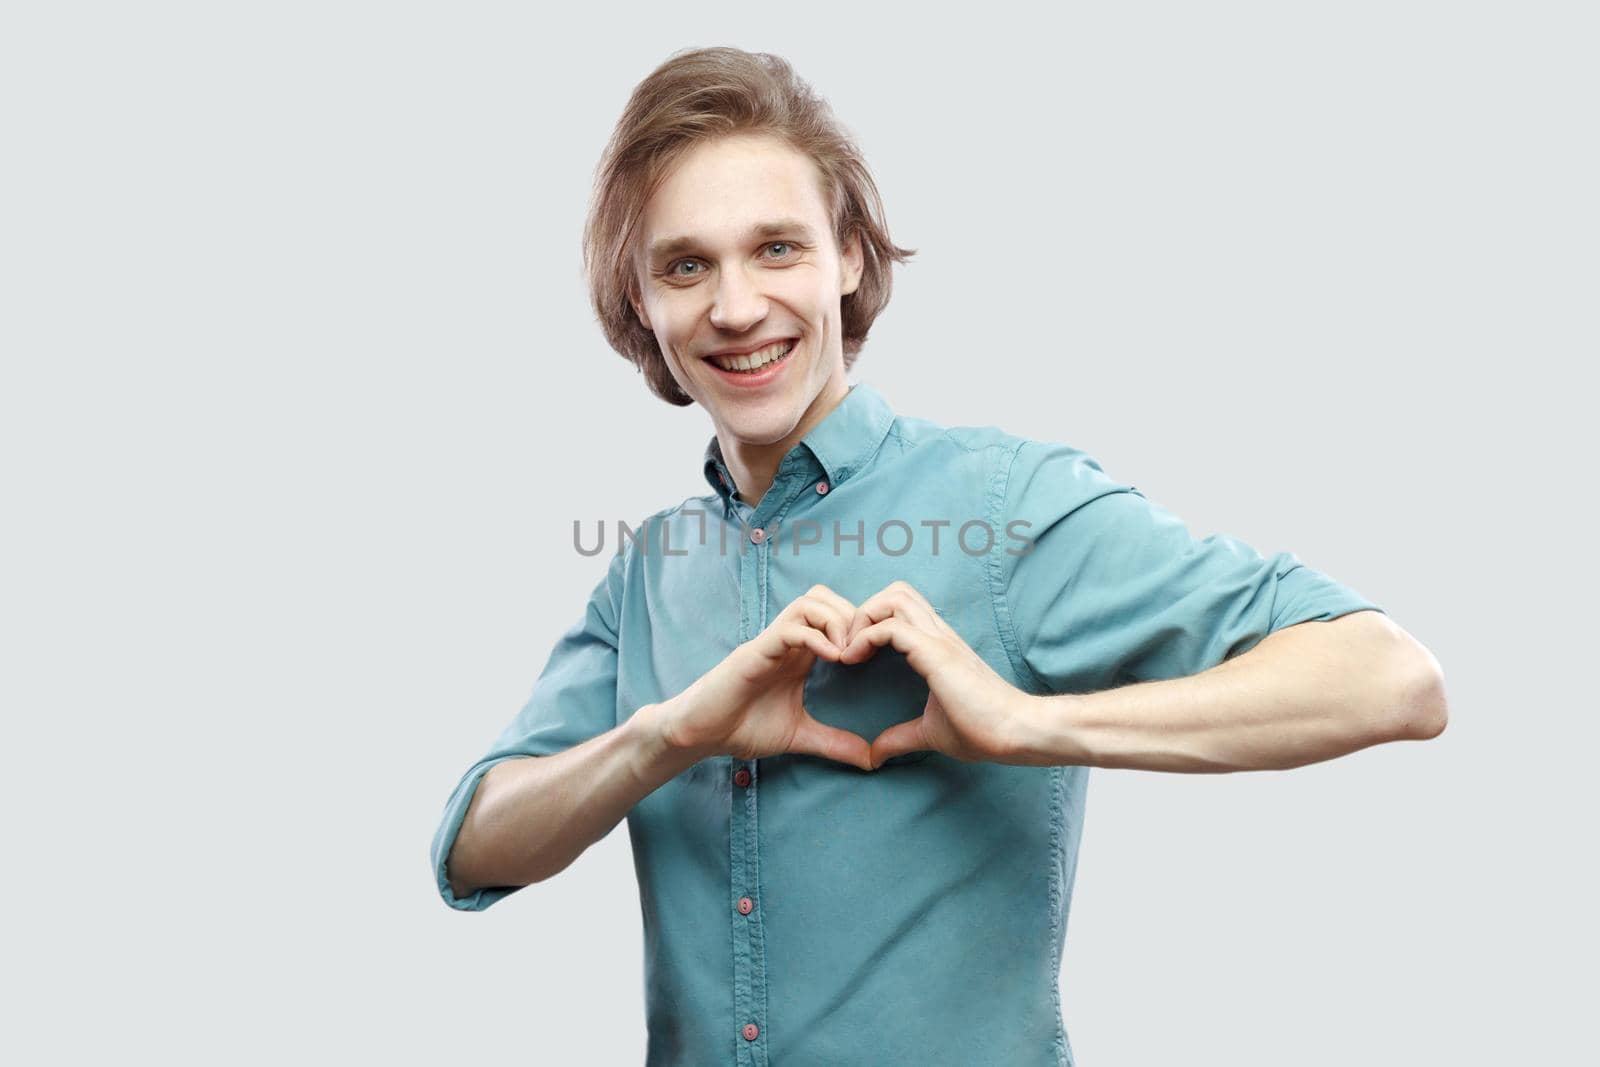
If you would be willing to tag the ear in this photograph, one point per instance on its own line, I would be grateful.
(851, 261)
(636, 303)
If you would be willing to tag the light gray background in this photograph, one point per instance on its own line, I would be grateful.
(302, 394)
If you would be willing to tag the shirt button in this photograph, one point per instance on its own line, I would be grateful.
(758, 535)
(741, 777)
(822, 487)
(750, 1031)
(746, 905)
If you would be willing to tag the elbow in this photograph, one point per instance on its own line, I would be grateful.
(1420, 708)
(1426, 712)
(1405, 699)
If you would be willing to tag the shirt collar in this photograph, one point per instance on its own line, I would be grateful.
(843, 442)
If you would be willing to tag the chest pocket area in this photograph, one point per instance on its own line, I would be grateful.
(868, 698)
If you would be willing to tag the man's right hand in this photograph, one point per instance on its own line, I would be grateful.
(750, 705)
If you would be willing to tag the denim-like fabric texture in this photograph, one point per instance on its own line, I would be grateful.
(915, 914)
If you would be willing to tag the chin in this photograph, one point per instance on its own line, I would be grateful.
(760, 431)
(772, 423)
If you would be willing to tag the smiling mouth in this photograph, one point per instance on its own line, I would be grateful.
(757, 360)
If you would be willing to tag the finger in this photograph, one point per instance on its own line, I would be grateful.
(832, 596)
(783, 637)
(930, 611)
(898, 598)
(842, 607)
(909, 593)
(899, 739)
(822, 615)
(898, 632)
(871, 611)
(913, 605)
(830, 742)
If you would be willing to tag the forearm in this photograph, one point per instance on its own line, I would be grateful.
(1304, 694)
(530, 818)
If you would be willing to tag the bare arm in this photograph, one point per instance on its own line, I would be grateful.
(530, 818)
(1306, 693)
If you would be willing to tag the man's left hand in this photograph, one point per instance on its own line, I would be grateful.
(972, 713)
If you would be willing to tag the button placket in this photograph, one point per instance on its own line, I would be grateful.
(749, 944)
(749, 949)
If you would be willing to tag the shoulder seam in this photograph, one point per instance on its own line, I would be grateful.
(949, 435)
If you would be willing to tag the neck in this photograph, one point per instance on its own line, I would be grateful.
(754, 466)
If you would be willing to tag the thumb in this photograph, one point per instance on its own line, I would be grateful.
(899, 739)
(816, 739)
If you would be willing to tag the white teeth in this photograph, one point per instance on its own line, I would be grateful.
(759, 358)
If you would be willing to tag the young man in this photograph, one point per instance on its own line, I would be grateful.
(848, 701)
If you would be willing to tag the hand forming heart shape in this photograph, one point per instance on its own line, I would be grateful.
(972, 713)
(752, 704)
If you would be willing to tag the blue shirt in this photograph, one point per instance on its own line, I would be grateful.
(800, 911)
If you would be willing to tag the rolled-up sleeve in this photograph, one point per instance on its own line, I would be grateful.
(1113, 588)
(574, 699)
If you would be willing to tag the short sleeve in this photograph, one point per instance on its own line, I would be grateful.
(1112, 588)
(574, 699)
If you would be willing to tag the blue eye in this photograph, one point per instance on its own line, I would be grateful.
(672, 269)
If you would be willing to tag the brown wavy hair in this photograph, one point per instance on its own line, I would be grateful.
(697, 95)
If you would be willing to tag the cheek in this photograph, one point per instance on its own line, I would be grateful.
(670, 328)
(822, 297)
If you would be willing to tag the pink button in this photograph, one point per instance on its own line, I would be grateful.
(822, 487)
(750, 1031)
(746, 905)
(741, 777)
(758, 535)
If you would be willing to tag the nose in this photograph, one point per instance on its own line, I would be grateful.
(739, 303)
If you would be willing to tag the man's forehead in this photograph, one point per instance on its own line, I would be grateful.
(734, 190)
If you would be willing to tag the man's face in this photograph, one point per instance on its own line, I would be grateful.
(737, 250)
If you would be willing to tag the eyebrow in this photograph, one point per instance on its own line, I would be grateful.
(670, 246)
